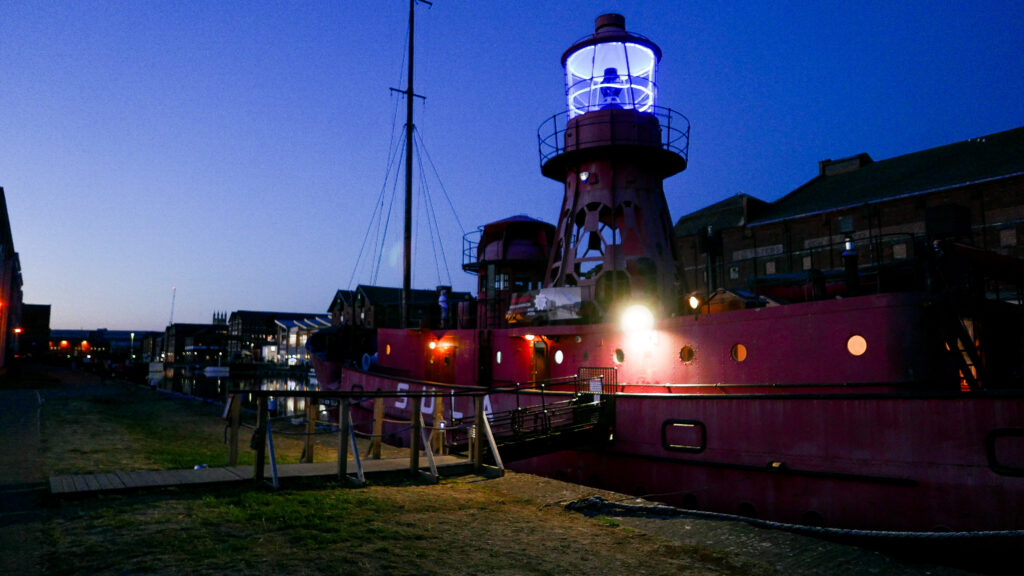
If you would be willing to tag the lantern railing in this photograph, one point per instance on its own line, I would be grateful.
(674, 137)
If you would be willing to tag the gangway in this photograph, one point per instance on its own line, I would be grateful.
(551, 416)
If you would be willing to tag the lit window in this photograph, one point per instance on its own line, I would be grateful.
(857, 345)
(497, 357)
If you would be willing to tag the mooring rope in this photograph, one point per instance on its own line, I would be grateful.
(598, 504)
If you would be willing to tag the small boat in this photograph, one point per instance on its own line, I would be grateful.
(216, 371)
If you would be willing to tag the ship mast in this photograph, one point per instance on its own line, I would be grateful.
(407, 236)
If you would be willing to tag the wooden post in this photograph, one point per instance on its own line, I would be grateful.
(235, 420)
(262, 416)
(437, 434)
(344, 430)
(414, 436)
(311, 413)
(478, 445)
(378, 427)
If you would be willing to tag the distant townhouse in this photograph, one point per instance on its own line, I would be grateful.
(291, 339)
(253, 334)
(34, 338)
(341, 308)
(381, 307)
(10, 288)
(882, 214)
(194, 343)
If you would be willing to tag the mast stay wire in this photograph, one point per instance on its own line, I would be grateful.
(378, 210)
(444, 190)
(382, 239)
(430, 214)
(394, 154)
(379, 229)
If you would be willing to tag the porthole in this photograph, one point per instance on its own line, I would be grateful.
(497, 356)
(387, 350)
(686, 354)
(738, 352)
(559, 356)
(620, 356)
(857, 345)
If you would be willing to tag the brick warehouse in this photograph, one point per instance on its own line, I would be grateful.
(886, 213)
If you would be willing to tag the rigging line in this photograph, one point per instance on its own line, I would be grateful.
(387, 220)
(439, 181)
(397, 153)
(378, 210)
(432, 223)
(430, 216)
(375, 217)
(366, 236)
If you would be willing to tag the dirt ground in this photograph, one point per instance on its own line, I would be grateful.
(732, 546)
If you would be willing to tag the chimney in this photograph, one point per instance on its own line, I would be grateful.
(831, 167)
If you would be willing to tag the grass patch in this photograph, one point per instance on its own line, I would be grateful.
(459, 526)
(133, 428)
(452, 528)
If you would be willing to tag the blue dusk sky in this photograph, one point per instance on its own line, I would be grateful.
(238, 150)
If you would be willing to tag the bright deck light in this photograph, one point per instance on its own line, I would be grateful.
(637, 318)
(694, 302)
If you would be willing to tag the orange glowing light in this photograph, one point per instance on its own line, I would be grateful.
(433, 344)
(17, 330)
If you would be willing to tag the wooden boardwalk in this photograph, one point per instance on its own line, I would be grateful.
(83, 484)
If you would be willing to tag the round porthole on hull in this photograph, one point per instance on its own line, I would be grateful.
(686, 354)
(857, 345)
(738, 352)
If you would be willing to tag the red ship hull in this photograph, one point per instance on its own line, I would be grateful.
(800, 431)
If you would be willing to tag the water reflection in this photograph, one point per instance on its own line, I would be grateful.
(193, 382)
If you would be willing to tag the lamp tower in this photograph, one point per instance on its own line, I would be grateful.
(612, 148)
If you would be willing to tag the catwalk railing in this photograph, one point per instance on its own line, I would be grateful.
(548, 416)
